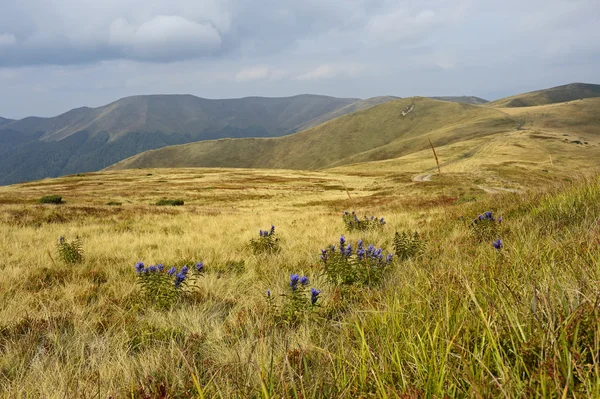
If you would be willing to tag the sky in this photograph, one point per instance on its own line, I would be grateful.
(56, 55)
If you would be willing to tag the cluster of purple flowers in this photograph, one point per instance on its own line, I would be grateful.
(267, 233)
(370, 253)
(487, 216)
(179, 277)
(354, 223)
(295, 279)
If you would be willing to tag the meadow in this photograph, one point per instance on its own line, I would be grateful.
(454, 314)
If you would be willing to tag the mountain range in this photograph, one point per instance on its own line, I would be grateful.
(88, 139)
(299, 132)
(390, 130)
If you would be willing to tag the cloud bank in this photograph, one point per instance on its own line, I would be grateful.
(55, 55)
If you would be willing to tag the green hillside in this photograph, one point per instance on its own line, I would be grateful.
(462, 99)
(569, 92)
(348, 109)
(380, 132)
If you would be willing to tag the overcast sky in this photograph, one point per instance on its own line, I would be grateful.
(60, 54)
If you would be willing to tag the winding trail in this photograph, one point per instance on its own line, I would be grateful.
(499, 190)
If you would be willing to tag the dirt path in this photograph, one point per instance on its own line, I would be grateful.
(499, 190)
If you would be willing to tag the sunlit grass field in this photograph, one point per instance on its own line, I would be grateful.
(459, 319)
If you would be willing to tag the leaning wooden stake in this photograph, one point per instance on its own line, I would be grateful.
(348, 193)
(437, 161)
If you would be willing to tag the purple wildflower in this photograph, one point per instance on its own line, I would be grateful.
(139, 267)
(179, 278)
(200, 266)
(498, 244)
(314, 295)
(348, 251)
(294, 278)
(304, 280)
(172, 271)
(342, 243)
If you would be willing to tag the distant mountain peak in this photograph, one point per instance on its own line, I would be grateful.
(553, 95)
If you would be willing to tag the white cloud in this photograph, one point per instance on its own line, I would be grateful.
(328, 71)
(321, 72)
(253, 73)
(7, 39)
(164, 37)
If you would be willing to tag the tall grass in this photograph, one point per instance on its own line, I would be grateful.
(463, 319)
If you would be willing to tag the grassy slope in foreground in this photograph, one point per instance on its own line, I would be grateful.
(570, 92)
(380, 132)
(463, 320)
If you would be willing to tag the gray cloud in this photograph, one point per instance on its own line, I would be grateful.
(67, 53)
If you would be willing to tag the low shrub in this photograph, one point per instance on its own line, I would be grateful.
(345, 266)
(70, 252)
(297, 302)
(51, 199)
(169, 202)
(266, 242)
(163, 287)
(352, 222)
(114, 203)
(486, 227)
(407, 245)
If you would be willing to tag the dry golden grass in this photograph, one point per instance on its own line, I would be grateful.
(457, 322)
(87, 316)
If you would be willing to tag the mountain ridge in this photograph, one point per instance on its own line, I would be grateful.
(5, 121)
(88, 139)
(381, 131)
(552, 95)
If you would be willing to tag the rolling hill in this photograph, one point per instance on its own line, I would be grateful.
(89, 139)
(463, 99)
(552, 142)
(389, 130)
(348, 109)
(559, 94)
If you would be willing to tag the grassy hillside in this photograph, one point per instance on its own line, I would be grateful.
(570, 92)
(88, 139)
(463, 99)
(550, 143)
(380, 132)
(348, 109)
(458, 318)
